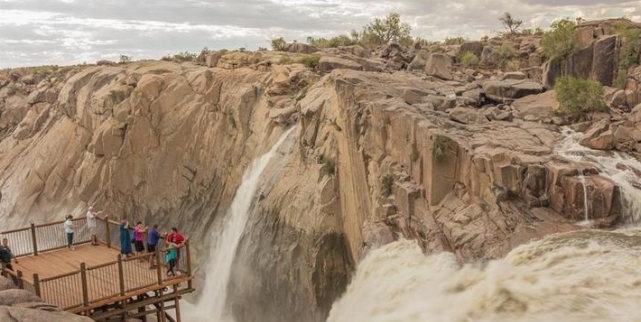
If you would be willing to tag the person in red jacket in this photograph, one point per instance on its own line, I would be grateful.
(178, 239)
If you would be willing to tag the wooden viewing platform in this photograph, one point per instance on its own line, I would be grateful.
(96, 281)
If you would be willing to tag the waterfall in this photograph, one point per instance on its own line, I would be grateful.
(211, 304)
(586, 218)
(580, 276)
(622, 169)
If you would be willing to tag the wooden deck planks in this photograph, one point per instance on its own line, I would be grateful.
(62, 261)
(102, 282)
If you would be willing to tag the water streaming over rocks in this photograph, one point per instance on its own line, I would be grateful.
(580, 276)
(622, 169)
(211, 304)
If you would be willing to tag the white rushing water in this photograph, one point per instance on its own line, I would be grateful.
(586, 211)
(211, 304)
(619, 167)
(581, 276)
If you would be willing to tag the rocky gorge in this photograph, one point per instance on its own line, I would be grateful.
(389, 142)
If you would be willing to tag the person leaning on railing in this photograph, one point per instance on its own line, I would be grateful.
(177, 238)
(91, 224)
(69, 226)
(5, 257)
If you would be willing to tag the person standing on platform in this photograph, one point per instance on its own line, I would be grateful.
(125, 238)
(91, 224)
(138, 238)
(69, 226)
(178, 239)
(152, 243)
(5, 258)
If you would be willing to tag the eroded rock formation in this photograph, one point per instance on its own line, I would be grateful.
(462, 160)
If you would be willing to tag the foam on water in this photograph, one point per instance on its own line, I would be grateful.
(581, 276)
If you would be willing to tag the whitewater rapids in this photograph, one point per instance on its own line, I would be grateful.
(579, 276)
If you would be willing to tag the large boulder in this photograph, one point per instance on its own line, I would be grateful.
(326, 64)
(537, 107)
(439, 65)
(633, 87)
(475, 47)
(578, 64)
(604, 61)
(297, 47)
(508, 90)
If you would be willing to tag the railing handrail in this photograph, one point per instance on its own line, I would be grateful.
(17, 230)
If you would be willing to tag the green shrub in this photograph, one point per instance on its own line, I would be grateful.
(559, 42)
(278, 44)
(629, 52)
(577, 96)
(116, 96)
(415, 154)
(387, 182)
(512, 65)
(328, 166)
(184, 56)
(310, 61)
(13, 89)
(439, 146)
(262, 49)
(382, 31)
(337, 41)
(124, 59)
(285, 60)
(454, 41)
(506, 52)
(468, 59)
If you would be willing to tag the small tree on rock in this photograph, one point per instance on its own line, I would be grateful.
(510, 23)
(382, 31)
(278, 44)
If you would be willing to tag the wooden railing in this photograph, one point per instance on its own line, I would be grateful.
(50, 236)
(86, 285)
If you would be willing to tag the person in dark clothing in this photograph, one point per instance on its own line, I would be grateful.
(152, 242)
(5, 257)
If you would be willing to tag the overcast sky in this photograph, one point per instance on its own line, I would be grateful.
(63, 32)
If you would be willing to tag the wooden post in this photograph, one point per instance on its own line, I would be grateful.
(83, 281)
(107, 232)
(177, 299)
(20, 281)
(142, 309)
(36, 285)
(33, 239)
(158, 266)
(121, 275)
(188, 258)
(163, 316)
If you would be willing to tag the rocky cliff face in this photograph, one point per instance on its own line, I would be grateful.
(376, 156)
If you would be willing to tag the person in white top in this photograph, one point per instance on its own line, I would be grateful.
(69, 229)
(91, 224)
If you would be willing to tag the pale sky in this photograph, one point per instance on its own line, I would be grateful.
(63, 32)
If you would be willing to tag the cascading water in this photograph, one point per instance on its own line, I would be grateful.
(619, 167)
(211, 304)
(579, 276)
(586, 218)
